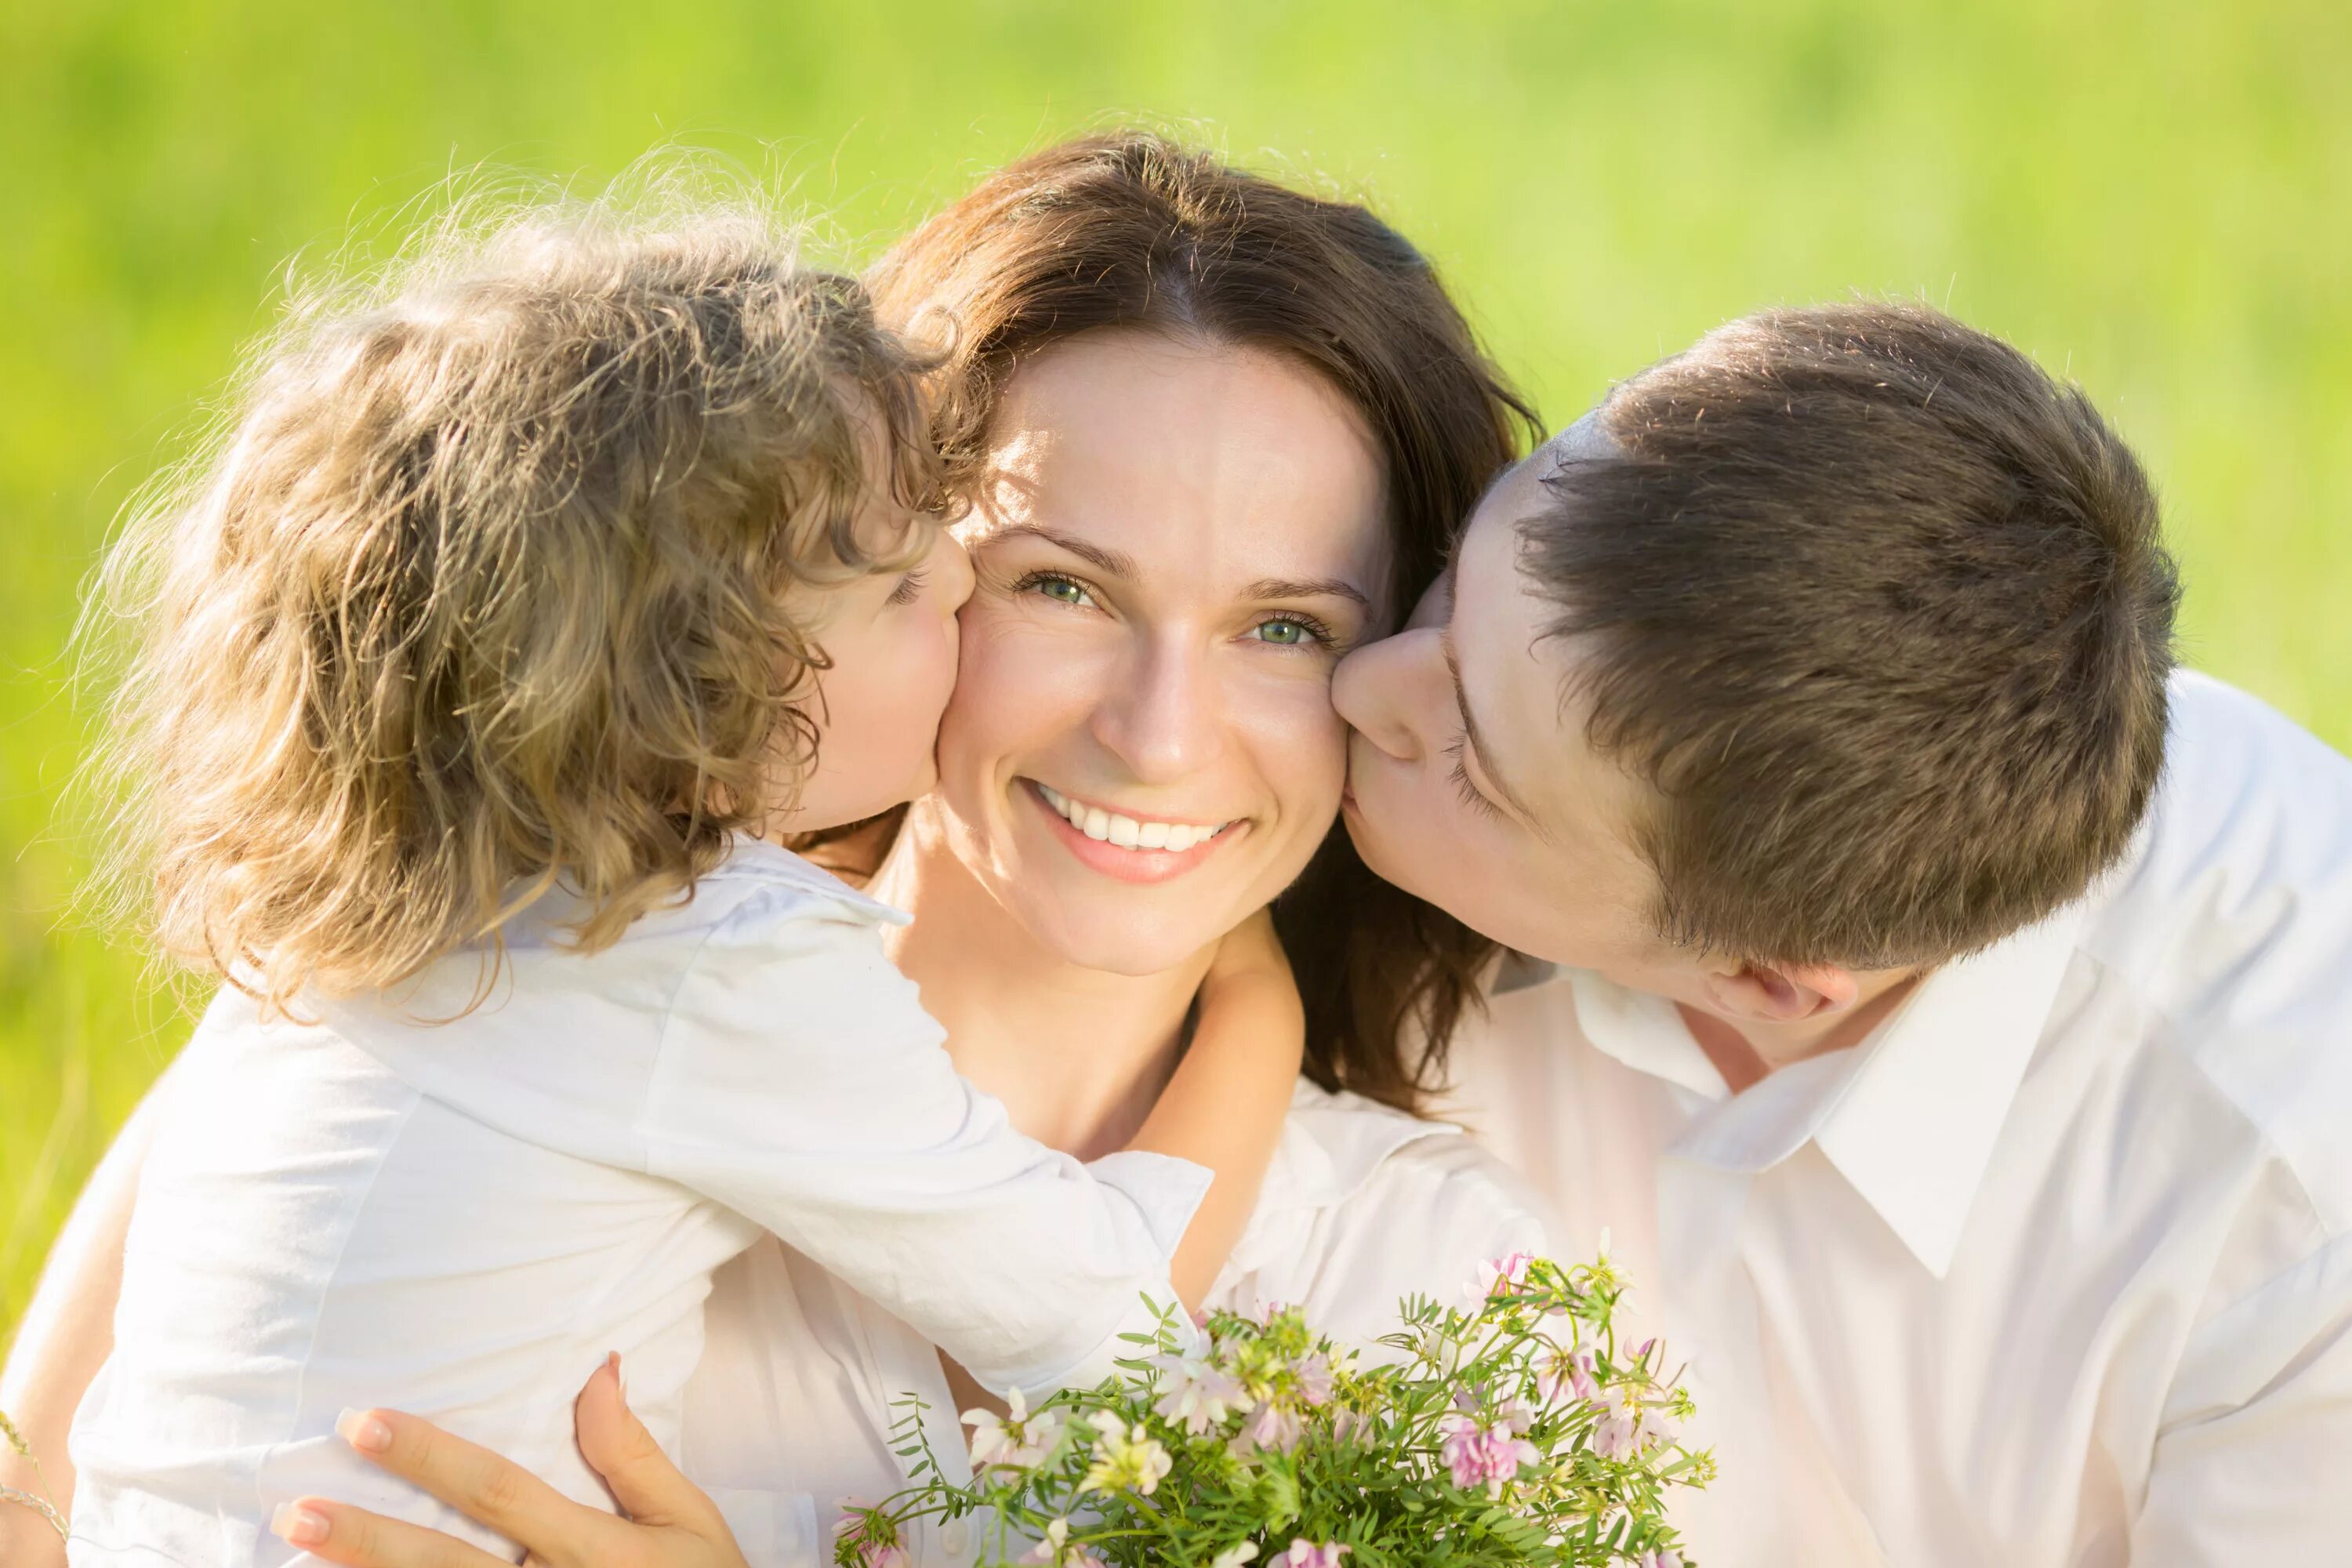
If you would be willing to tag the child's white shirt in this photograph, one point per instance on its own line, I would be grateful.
(461, 1218)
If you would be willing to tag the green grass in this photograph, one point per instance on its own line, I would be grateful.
(2150, 196)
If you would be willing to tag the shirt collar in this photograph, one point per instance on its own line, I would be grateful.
(1909, 1117)
(1916, 1124)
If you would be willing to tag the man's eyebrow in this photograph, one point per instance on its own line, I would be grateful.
(1314, 588)
(1112, 562)
(1470, 731)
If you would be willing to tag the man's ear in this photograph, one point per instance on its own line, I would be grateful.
(1782, 993)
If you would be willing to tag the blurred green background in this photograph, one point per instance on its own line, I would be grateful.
(2154, 198)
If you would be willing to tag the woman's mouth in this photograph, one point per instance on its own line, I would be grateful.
(1131, 849)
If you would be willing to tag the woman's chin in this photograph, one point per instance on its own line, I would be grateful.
(1127, 947)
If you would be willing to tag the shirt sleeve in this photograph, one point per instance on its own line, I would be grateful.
(800, 1082)
(2249, 1464)
(1428, 1217)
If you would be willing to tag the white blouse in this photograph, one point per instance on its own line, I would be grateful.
(462, 1217)
(802, 1377)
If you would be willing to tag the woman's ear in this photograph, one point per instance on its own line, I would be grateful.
(1782, 993)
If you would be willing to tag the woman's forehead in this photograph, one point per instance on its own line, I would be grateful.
(1210, 456)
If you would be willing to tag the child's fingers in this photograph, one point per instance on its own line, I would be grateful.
(649, 1488)
(485, 1487)
(338, 1533)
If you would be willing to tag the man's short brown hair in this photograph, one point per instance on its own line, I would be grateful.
(1881, 612)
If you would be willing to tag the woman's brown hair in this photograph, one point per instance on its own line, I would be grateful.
(1132, 230)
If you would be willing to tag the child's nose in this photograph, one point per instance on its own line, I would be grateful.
(956, 577)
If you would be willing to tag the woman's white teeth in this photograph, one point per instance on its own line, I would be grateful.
(1127, 832)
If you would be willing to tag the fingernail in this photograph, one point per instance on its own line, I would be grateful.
(296, 1525)
(363, 1431)
(613, 1360)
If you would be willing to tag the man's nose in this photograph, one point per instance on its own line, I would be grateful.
(1379, 691)
(1164, 717)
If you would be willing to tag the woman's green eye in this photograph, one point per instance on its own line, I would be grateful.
(1062, 590)
(1284, 634)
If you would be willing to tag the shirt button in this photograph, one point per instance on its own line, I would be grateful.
(955, 1537)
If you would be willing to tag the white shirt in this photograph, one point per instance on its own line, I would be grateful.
(462, 1218)
(791, 1409)
(2056, 1268)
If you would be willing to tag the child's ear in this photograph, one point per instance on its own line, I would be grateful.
(1782, 993)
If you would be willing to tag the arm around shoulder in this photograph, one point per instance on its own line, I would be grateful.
(801, 1083)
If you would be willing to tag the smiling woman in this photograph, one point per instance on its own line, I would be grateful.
(1154, 637)
(1269, 401)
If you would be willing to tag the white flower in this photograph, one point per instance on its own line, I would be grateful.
(1196, 1396)
(1057, 1536)
(1630, 1423)
(1015, 1440)
(1236, 1555)
(1126, 1459)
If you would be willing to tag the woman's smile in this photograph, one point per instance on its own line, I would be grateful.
(1131, 849)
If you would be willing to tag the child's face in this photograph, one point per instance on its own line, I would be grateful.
(891, 639)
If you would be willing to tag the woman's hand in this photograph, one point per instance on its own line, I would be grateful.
(669, 1522)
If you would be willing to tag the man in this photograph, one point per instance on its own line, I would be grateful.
(1946, 1009)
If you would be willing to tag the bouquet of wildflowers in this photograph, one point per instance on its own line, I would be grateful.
(1513, 1432)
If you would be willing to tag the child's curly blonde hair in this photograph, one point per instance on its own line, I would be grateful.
(482, 591)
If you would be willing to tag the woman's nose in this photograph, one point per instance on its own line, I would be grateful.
(1164, 717)
(1383, 691)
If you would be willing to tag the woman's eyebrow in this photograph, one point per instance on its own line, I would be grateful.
(1111, 562)
(1318, 587)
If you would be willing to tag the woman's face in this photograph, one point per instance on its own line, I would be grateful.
(1174, 542)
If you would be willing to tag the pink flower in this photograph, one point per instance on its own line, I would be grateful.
(1016, 1440)
(1663, 1557)
(1630, 1424)
(1305, 1554)
(1196, 1394)
(1501, 1276)
(1564, 1375)
(878, 1544)
(1313, 1371)
(1271, 1426)
(1482, 1455)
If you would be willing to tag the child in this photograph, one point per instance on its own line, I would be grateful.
(522, 611)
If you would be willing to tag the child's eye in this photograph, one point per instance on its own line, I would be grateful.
(1292, 631)
(910, 586)
(1054, 587)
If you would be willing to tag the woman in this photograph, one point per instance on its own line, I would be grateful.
(1212, 432)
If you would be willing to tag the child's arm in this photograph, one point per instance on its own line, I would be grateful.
(1225, 1106)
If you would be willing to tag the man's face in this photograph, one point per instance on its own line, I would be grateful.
(1471, 782)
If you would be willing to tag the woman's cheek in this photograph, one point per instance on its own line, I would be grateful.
(1300, 743)
(1019, 687)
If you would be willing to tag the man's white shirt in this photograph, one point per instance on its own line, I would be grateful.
(2055, 1268)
